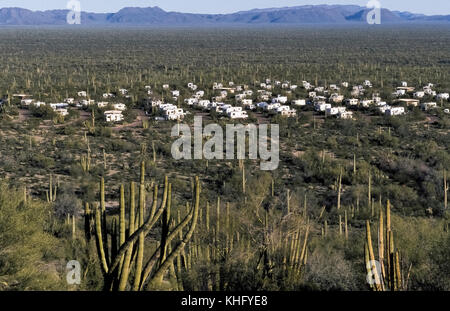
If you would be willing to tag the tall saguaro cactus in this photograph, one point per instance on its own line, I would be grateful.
(244, 180)
(445, 190)
(339, 189)
(123, 265)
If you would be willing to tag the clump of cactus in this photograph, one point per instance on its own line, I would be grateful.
(122, 256)
(295, 255)
(85, 160)
(387, 274)
(51, 192)
(90, 126)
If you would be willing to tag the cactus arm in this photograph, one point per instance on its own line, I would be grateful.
(100, 245)
(381, 242)
(148, 225)
(165, 265)
(155, 201)
(445, 190)
(87, 220)
(121, 222)
(103, 217)
(346, 224)
(51, 188)
(398, 274)
(139, 261)
(218, 219)
(141, 240)
(165, 230)
(178, 230)
(304, 248)
(126, 265)
(114, 237)
(369, 191)
(122, 216)
(207, 216)
(339, 190)
(321, 212)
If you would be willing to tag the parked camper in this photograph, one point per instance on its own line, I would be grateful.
(332, 111)
(428, 106)
(120, 107)
(174, 114)
(419, 94)
(395, 111)
(321, 106)
(352, 102)
(442, 96)
(299, 102)
(113, 116)
(345, 115)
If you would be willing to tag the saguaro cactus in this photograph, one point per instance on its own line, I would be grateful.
(272, 188)
(244, 180)
(85, 162)
(288, 201)
(51, 192)
(154, 152)
(346, 225)
(445, 189)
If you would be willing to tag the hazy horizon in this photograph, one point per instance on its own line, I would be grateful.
(438, 7)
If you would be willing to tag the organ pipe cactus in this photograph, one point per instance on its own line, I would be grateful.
(124, 268)
(88, 217)
(391, 277)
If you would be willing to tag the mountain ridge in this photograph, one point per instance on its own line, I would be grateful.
(306, 14)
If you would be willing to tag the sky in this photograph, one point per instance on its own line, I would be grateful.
(228, 6)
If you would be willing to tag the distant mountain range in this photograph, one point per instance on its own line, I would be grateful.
(308, 14)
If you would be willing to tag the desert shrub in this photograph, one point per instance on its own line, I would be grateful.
(66, 202)
(328, 270)
(27, 251)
